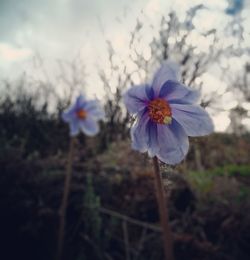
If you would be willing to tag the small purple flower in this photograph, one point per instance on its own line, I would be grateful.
(83, 116)
(166, 114)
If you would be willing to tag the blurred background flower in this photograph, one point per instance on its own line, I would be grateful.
(83, 115)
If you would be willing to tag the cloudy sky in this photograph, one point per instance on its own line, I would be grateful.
(61, 29)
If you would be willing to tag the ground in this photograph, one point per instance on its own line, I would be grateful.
(112, 194)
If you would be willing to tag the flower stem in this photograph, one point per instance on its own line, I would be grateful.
(64, 203)
(163, 211)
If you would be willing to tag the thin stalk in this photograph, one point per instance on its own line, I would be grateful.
(64, 203)
(163, 211)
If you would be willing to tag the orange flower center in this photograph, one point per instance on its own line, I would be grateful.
(160, 111)
(81, 114)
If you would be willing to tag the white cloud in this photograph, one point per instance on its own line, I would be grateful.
(152, 7)
(10, 53)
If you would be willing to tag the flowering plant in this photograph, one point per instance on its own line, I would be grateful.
(83, 116)
(166, 114)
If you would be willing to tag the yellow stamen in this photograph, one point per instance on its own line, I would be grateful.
(160, 111)
(167, 120)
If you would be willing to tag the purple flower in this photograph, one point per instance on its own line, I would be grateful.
(166, 114)
(83, 116)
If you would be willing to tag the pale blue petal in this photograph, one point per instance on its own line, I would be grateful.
(194, 119)
(153, 145)
(91, 104)
(94, 109)
(80, 102)
(89, 126)
(173, 142)
(168, 71)
(139, 132)
(175, 92)
(69, 115)
(136, 98)
(150, 92)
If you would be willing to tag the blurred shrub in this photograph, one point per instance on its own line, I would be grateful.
(29, 127)
(227, 170)
(201, 181)
(227, 184)
(232, 170)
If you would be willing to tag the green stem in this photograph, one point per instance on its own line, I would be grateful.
(64, 203)
(163, 211)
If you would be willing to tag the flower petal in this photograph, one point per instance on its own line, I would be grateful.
(153, 145)
(80, 101)
(168, 71)
(176, 92)
(136, 98)
(149, 92)
(89, 126)
(194, 119)
(69, 115)
(173, 142)
(94, 109)
(139, 132)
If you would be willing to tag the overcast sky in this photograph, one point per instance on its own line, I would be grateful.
(60, 29)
